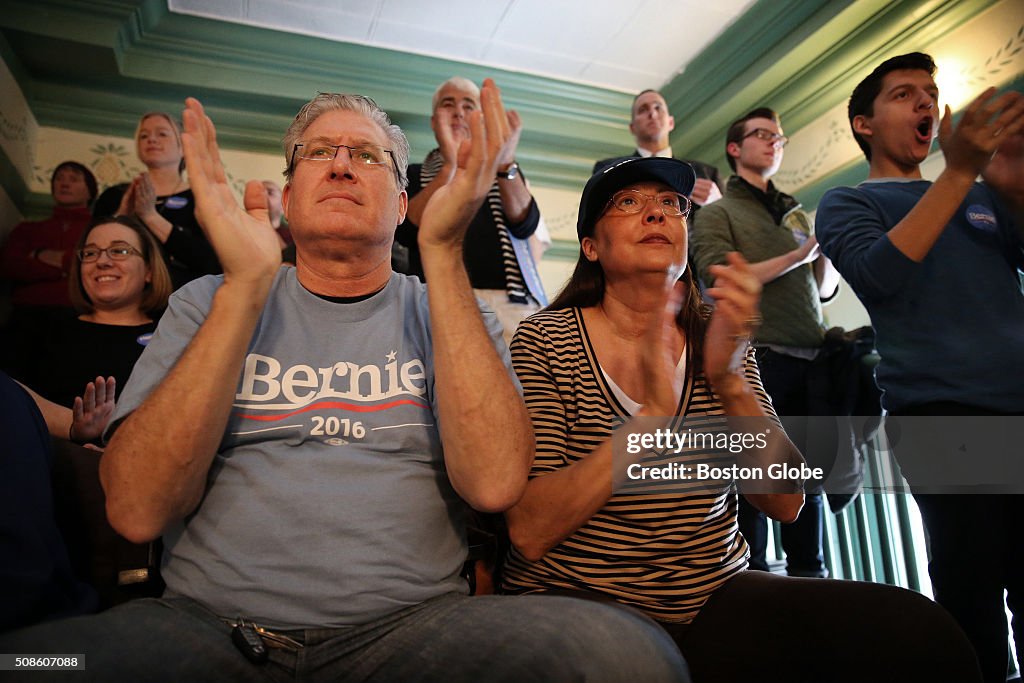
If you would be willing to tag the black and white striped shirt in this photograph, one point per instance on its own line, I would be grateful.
(664, 554)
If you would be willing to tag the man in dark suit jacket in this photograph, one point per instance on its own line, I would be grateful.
(651, 125)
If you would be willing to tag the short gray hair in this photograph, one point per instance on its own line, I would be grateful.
(325, 102)
(460, 83)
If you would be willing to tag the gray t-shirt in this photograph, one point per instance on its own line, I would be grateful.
(328, 503)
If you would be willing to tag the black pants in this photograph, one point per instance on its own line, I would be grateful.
(976, 553)
(763, 627)
(785, 379)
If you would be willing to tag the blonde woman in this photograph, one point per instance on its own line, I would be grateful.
(161, 199)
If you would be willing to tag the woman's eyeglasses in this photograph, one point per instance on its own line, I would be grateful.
(634, 201)
(115, 252)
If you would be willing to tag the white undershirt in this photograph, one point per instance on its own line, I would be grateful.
(631, 406)
(665, 153)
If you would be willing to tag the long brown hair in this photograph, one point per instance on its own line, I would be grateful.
(586, 286)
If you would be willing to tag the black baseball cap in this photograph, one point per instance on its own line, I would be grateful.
(618, 173)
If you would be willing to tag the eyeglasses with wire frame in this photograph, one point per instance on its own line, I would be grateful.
(368, 155)
(634, 201)
(118, 251)
(778, 139)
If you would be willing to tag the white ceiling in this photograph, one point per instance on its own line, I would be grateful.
(625, 45)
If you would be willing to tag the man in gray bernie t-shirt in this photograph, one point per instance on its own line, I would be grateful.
(305, 440)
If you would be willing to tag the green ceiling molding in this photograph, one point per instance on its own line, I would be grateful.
(821, 51)
(563, 250)
(402, 85)
(253, 80)
(762, 29)
(11, 60)
(90, 22)
(13, 184)
(303, 63)
(94, 66)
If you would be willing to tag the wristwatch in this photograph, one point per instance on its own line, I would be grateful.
(511, 173)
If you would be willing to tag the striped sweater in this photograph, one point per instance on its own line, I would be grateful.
(664, 554)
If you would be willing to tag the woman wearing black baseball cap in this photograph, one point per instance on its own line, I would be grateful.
(629, 342)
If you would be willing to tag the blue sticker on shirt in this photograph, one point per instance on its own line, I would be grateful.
(176, 202)
(982, 218)
(143, 339)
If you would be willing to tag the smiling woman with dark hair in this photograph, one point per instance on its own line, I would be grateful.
(119, 286)
(628, 342)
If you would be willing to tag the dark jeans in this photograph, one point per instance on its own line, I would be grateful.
(451, 638)
(976, 552)
(763, 627)
(785, 379)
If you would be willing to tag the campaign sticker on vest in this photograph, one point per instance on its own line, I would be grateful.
(798, 223)
(176, 202)
(981, 217)
(143, 339)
